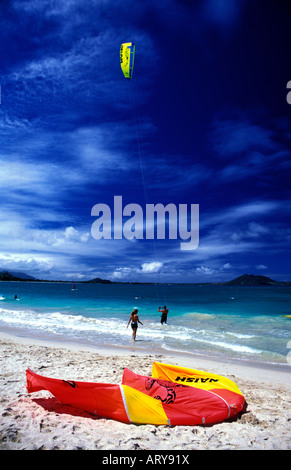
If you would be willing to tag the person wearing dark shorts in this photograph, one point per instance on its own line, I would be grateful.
(134, 320)
(164, 316)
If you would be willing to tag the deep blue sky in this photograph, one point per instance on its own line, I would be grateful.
(206, 112)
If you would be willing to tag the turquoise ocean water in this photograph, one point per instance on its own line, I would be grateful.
(242, 323)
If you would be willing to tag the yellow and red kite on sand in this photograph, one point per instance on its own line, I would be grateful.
(173, 395)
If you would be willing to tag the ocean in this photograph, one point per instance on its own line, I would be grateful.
(234, 323)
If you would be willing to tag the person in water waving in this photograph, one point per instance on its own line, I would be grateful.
(134, 322)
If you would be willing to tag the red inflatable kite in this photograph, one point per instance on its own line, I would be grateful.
(190, 397)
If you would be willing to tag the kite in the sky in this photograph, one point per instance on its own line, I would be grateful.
(172, 396)
(127, 53)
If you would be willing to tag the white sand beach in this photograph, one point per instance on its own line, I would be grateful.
(38, 421)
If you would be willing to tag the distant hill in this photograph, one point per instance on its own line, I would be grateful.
(6, 276)
(15, 276)
(23, 276)
(97, 280)
(253, 280)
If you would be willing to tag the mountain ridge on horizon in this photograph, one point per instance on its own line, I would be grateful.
(243, 280)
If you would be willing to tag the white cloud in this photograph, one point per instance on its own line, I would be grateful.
(71, 234)
(213, 268)
(226, 266)
(27, 263)
(146, 268)
(120, 273)
(68, 240)
(153, 267)
(204, 270)
(261, 267)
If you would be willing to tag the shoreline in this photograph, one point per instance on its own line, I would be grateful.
(38, 421)
(224, 333)
(262, 370)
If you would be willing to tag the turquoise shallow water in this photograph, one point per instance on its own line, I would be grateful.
(243, 323)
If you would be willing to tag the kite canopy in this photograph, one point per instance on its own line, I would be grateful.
(190, 397)
(127, 53)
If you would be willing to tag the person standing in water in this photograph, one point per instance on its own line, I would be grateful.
(134, 322)
(164, 316)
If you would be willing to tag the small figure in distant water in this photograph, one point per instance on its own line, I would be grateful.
(134, 322)
(164, 316)
(15, 297)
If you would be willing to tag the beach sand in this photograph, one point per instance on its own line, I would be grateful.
(38, 421)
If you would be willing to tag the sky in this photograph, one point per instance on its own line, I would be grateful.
(204, 120)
